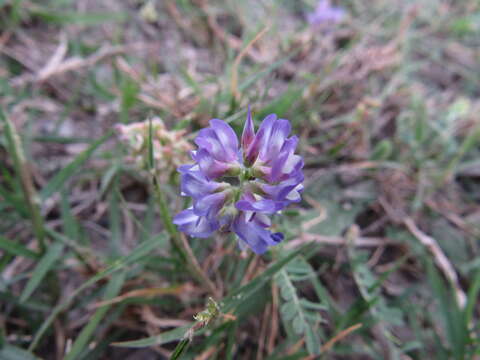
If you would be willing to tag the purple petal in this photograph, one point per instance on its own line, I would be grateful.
(193, 225)
(211, 167)
(277, 237)
(227, 138)
(210, 205)
(219, 140)
(264, 206)
(295, 194)
(274, 140)
(286, 161)
(182, 169)
(253, 234)
(263, 220)
(207, 139)
(281, 191)
(269, 156)
(248, 131)
(195, 184)
(259, 140)
(325, 13)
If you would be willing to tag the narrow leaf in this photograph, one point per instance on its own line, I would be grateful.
(56, 183)
(43, 267)
(16, 248)
(10, 352)
(163, 338)
(143, 249)
(112, 290)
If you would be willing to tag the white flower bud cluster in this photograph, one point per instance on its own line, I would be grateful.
(170, 148)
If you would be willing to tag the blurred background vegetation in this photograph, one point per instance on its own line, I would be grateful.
(381, 259)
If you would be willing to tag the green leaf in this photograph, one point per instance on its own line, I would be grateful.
(130, 90)
(254, 78)
(304, 313)
(288, 292)
(282, 103)
(472, 297)
(456, 329)
(298, 266)
(382, 151)
(45, 264)
(22, 171)
(338, 217)
(15, 200)
(288, 310)
(230, 303)
(88, 19)
(248, 290)
(112, 289)
(10, 352)
(299, 325)
(108, 178)
(307, 304)
(70, 225)
(143, 249)
(451, 240)
(465, 25)
(56, 183)
(16, 248)
(179, 349)
(30, 305)
(115, 220)
(163, 338)
(312, 340)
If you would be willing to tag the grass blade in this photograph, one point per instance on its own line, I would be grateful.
(43, 267)
(56, 183)
(142, 250)
(163, 338)
(10, 352)
(240, 295)
(16, 249)
(456, 330)
(472, 298)
(88, 19)
(112, 290)
(179, 349)
(22, 170)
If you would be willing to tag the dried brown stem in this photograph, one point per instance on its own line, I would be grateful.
(339, 241)
(440, 259)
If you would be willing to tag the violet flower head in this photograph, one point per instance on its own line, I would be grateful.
(236, 186)
(326, 13)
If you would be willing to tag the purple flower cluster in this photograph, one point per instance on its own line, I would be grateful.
(235, 186)
(326, 13)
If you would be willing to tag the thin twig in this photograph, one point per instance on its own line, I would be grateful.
(339, 241)
(238, 59)
(145, 293)
(74, 63)
(273, 319)
(263, 332)
(342, 334)
(440, 258)
(55, 61)
(230, 40)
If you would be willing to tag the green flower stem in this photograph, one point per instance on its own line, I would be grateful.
(22, 170)
(180, 243)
